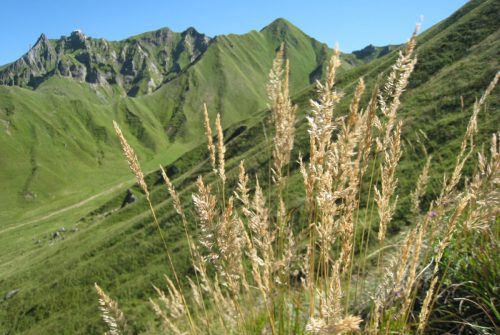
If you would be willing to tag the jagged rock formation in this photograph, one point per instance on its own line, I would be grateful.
(138, 65)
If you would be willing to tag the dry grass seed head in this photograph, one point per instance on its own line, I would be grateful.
(173, 193)
(242, 190)
(484, 205)
(205, 206)
(221, 149)
(450, 184)
(283, 114)
(131, 159)
(354, 107)
(111, 313)
(208, 134)
(385, 203)
(321, 118)
(319, 326)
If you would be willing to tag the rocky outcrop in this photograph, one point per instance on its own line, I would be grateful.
(371, 52)
(138, 64)
(32, 67)
(128, 199)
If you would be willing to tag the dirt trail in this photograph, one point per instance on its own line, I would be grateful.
(65, 209)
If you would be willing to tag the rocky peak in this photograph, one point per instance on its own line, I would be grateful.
(190, 31)
(42, 39)
(77, 40)
(34, 64)
(137, 65)
(77, 33)
(41, 46)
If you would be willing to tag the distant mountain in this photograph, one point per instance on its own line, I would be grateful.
(137, 65)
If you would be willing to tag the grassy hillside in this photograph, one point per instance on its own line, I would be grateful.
(64, 120)
(119, 248)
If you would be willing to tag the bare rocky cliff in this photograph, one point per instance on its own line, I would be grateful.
(137, 65)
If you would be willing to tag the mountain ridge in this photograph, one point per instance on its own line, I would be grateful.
(137, 64)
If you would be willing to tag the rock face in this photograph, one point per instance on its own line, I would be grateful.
(371, 52)
(138, 64)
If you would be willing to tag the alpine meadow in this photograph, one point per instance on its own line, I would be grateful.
(262, 183)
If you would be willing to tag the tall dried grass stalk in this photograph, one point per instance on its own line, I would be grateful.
(175, 197)
(132, 160)
(136, 169)
(208, 133)
(205, 204)
(282, 113)
(450, 184)
(385, 200)
(195, 288)
(354, 107)
(221, 150)
(242, 190)
(461, 200)
(319, 173)
(389, 101)
(484, 205)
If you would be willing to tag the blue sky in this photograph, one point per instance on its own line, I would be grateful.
(353, 24)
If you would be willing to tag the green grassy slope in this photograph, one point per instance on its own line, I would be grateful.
(120, 249)
(57, 145)
(53, 145)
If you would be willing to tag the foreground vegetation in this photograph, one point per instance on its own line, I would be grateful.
(261, 265)
(115, 246)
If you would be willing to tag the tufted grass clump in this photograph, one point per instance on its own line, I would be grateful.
(258, 271)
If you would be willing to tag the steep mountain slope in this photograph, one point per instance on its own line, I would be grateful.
(120, 249)
(66, 116)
